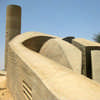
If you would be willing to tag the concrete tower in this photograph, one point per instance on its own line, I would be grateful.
(13, 25)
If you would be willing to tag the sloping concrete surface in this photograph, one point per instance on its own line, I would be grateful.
(64, 53)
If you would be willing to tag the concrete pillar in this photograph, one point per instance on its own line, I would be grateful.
(13, 25)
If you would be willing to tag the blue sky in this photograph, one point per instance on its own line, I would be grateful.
(79, 18)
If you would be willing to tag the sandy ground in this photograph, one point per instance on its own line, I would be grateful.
(4, 92)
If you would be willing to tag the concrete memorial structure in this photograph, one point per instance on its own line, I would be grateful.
(42, 78)
(45, 67)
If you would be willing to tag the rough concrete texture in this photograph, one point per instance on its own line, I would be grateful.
(13, 25)
(86, 46)
(96, 65)
(33, 76)
(64, 53)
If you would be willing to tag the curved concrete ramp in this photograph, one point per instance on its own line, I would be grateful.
(64, 53)
(32, 76)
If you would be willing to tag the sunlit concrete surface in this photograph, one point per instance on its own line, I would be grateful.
(36, 77)
(45, 67)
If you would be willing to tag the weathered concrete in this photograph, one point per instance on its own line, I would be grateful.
(64, 53)
(31, 75)
(86, 46)
(13, 25)
(95, 54)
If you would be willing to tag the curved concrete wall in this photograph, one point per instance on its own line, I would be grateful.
(32, 76)
(64, 53)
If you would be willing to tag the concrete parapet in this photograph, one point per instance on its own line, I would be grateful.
(86, 46)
